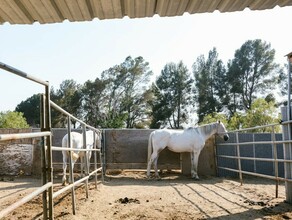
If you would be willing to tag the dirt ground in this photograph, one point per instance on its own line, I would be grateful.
(129, 195)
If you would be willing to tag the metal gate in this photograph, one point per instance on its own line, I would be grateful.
(46, 148)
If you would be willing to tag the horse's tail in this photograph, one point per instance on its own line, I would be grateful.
(150, 144)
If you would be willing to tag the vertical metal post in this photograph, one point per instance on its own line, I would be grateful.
(71, 174)
(288, 147)
(238, 157)
(86, 158)
(102, 155)
(43, 156)
(254, 154)
(95, 157)
(273, 137)
(216, 158)
(49, 151)
(289, 86)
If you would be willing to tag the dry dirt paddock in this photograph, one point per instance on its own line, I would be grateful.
(129, 195)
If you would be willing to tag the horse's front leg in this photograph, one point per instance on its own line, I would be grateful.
(194, 162)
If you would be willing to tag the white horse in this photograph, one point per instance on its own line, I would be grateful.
(76, 144)
(189, 140)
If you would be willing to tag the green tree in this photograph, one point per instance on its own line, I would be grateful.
(68, 97)
(92, 102)
(126, 93)
(31, 110)
(210, 84)
(215, 117)
(11, 119)
(261, 113)
(251, 72)
(172, 92)
(236, 121)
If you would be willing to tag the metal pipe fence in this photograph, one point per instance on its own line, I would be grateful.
(274, 159)
(46, 152)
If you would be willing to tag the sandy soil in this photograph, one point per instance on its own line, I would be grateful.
(129, 195)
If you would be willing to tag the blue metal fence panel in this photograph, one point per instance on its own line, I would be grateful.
(249, 150)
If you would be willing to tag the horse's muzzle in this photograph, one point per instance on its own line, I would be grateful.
(226, 137)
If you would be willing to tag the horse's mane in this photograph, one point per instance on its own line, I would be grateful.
(208, 128)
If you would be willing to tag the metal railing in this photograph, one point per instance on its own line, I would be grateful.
(46, 149)
(87, 162)
(275, 160)
(47, 175)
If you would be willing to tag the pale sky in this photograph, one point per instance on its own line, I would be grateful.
(82, 50)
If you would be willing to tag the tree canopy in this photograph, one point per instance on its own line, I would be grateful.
(210, 84)
(251, 72)
(172, 91)
(126, 96)
(11, 119)
(31, 110)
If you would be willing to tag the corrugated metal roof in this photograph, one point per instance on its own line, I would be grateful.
(54, 11)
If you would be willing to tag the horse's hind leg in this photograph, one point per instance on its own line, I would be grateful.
(155, 167)
(153, 159)
(149, 168)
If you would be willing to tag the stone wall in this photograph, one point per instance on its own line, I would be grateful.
(16, 156)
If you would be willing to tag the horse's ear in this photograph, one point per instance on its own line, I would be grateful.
(219, 121)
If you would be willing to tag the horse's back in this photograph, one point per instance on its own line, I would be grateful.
(161, 138)
(76, 140)
(90, 139)
(178, 140)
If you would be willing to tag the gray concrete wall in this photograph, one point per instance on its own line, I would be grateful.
(128, 149)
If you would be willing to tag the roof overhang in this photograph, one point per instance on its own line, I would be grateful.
(56, 11)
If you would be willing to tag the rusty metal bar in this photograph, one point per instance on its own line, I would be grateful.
(22, 74)
(66, 188)
(95, 158)
(256, 174)
(256, 127)
(58, 108)
(85, 158)
(273, 137)
(238, 157)
(49, 150)
(71, 174)
(7, 137)
(258, 142)
(67, 149)
(256, 158)
(44, 157)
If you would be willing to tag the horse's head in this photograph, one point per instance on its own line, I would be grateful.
(221, 131)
